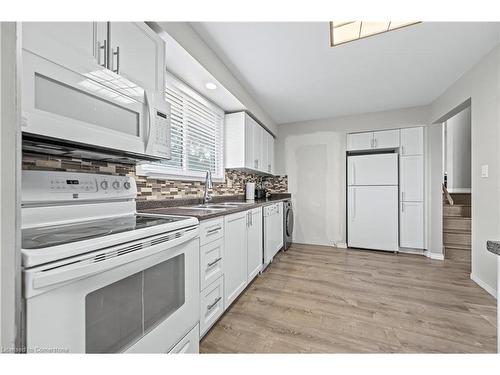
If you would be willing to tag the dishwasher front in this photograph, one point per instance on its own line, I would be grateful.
(273, 231)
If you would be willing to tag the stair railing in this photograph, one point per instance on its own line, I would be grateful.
(447, 195)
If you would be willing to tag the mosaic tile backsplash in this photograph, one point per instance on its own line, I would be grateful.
(151, 188)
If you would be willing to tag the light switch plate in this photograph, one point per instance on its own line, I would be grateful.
(484, 171)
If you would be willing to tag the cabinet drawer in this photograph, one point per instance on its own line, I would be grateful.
(211, 304)
(189, 343)
(211, 262)
(211, 230)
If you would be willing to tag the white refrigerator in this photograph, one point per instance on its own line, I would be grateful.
(372, 201)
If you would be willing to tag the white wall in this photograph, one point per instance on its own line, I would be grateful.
(458, 152)
(481, 86)
(9, 177)
(185, 35)
(312, 154)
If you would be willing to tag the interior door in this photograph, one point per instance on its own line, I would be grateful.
(137, 53)
(379, 169)
(235, 256)
(373, 217)
(412, 184)
(254, 243)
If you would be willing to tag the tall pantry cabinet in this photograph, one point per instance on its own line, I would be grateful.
(411, 188)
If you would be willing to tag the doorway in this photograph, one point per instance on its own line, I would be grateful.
(457, 220)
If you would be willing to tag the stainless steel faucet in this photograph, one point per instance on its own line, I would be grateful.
(208, 185)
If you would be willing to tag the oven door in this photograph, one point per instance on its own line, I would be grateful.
(138, 297)
(97, 108)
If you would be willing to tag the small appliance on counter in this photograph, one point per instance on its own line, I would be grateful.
(250, 191)
(260, 192)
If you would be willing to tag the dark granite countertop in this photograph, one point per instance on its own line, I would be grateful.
(493, 247)
(171, 207)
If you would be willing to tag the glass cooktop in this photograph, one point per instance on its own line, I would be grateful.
(37, 238)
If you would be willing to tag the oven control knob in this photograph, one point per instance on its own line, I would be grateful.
(116, 185)
(104, 185)
(126, 185)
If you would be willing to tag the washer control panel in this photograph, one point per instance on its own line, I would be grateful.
(46, 186)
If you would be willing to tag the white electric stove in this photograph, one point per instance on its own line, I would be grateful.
(98, 277)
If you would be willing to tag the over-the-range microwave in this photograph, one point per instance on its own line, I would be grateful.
(93, 110)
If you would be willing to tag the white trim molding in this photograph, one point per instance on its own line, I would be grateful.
(435, 256)
(491, 290)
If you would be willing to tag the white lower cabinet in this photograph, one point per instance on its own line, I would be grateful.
(412, 225)
(189, 343)
(211, 305)
(211, 262)
(235, 256)
(254, 243)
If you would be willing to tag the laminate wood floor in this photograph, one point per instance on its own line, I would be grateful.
(316, 299)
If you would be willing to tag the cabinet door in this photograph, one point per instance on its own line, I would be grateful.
(264, 164)
(359, 141)
(412, 178)
(412, 141)
(71, 44)
(249, 147)
(386, 139)
(270, 154)
(211, 262)
(235, 256)
(138, 54)
(258, 133)
(412, 225)
(254, 243)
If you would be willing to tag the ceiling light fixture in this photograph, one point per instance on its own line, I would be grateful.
(210, 85)
(348, 31)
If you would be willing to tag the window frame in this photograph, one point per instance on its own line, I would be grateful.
(165, 172)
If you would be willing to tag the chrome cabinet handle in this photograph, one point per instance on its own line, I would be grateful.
(212, 305)
(375, 143)
(117, 54)
(256, 163)
(214, 262)
(99, 48)
(211, 231)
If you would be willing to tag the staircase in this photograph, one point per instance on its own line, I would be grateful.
(457, 227)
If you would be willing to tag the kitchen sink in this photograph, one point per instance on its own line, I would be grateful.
(215, 206)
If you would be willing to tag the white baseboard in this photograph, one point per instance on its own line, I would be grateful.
(435, 256)
(483, 285)
(406, 250)
(341, 245)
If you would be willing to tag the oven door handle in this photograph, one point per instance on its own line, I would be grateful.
(89, 267)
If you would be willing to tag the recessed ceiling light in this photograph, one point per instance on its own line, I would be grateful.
(210, 85)
(347, 31)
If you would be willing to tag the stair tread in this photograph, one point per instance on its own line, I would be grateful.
(456, 231)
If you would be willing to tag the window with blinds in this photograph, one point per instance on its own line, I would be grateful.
(196, 135)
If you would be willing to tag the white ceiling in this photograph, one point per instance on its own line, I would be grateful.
(295, 75)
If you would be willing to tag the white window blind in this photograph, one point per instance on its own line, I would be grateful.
(196, 136)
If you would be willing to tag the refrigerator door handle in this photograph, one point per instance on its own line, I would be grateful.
(353, 204)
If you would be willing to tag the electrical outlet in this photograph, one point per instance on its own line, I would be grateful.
(484, 171)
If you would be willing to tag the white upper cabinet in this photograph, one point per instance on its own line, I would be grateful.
(360, 141)
(247, 144)
(129, 49)
(71, 44)
(412, 141)
(137, 53)
(386, 139)
(270, 153)
(373, 140)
